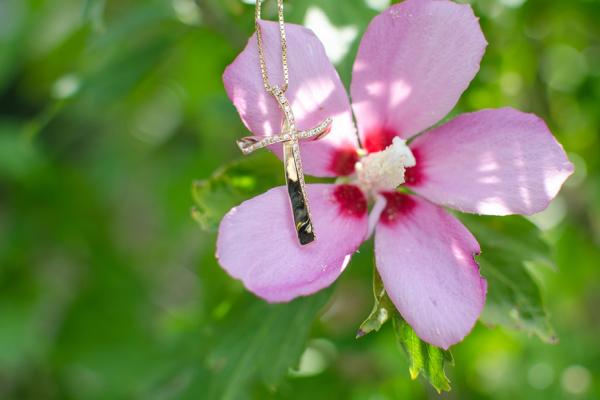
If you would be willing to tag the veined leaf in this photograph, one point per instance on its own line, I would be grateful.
(514, 299)
(232, 184)
(254, 343)
(423, 357)
(263, 343)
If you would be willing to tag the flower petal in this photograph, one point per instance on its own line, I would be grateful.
(315, 93)
(414, 62)
(257, 241)
(495, 162)
(425, 259)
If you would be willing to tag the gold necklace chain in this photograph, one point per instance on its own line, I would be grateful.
(261, 53)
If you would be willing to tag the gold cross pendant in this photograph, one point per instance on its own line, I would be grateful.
(294, 174)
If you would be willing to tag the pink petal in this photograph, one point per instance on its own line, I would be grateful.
(315, 93)
(257, 242)
(425, 259)
(496, 162)
(414, 62)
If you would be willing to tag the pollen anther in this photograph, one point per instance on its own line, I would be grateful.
(385, 169)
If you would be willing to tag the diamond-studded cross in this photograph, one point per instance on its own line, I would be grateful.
(294, 174)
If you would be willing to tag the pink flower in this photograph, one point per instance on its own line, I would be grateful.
(414, 62)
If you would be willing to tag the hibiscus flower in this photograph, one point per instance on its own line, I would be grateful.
(414, 62)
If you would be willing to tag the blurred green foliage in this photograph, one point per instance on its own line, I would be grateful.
(109, 289)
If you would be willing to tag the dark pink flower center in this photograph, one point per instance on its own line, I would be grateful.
(351, 200)
(397, 205)
(413, 176)
(343, 161)
(378, 139)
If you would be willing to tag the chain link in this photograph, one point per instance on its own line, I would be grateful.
(261, 53)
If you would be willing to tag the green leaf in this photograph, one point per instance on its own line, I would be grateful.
(249, 345)
(232, 184)
(382, 308)
(261, 342)
(423, 357)
(513, 235)
(514, 300)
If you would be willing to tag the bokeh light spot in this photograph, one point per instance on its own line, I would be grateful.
(540, 376)
(564, 68)
(65, 87)
(576, 379)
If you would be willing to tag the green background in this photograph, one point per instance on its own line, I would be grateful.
(109, 289)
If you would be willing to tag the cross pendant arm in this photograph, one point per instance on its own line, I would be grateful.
(250, 144)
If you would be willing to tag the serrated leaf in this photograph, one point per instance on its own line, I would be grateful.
(514, 299)
(232, 184)
(262, 343)
(254, 343)
(382, 310)
(424, 358)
